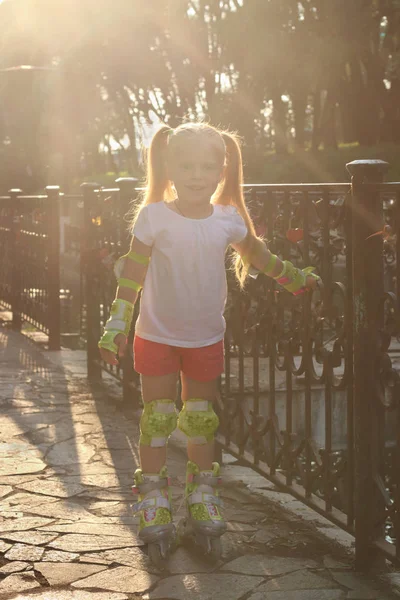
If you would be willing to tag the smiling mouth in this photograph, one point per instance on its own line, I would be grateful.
(195, 188)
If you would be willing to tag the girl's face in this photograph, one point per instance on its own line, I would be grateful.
(195, 167)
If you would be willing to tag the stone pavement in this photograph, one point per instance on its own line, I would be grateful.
(68, 449)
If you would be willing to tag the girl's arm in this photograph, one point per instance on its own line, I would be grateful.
(293, 279)
(133, 271)
(130, 271)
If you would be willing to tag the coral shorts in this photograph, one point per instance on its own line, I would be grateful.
(200, 364)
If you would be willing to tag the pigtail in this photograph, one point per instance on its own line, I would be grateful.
(232, 193)
(157, 185)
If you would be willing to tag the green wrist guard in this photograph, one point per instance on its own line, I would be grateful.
(107, 341)
(121, 314)
(293, 279)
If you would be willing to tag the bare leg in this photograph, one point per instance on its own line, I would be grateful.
(156, 388)
(202, 455)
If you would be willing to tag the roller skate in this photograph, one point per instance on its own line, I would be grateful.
(203, 523)
(156, 528)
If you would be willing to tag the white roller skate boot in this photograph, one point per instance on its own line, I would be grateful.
(156, 528)
(204, 523)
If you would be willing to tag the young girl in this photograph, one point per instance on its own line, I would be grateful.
(193, 209)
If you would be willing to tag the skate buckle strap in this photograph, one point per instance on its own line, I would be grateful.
(157, 502)
(201, 497)
(204, 478)
(164, 407)
(197, 406)
(149, 486)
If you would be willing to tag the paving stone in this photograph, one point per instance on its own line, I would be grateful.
(86, 543)
(107, 494)
(53, 488)
(14, 567)
(21, 500)
(22, 524)
(184, 562)
(34, 538)
(61, 509)
(24, 552)
(364, 594)
(331, 563)
(59, 556)
(244, 516)
(18, 583)
(263, 536)
(4, 490)
(237, 473)
(354, 582)
(19, 457)
(267, 566)
(120, 579)
(204, 586)
(69, 452)
(73, 595)
(234, 526)
(4, 546)
(299, 595)
(95, 528)
(130, 557)
(65, 573)
(300, 580)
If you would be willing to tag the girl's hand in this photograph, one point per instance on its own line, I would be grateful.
(313, 282)
(109, 357)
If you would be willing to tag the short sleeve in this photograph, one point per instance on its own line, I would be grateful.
(142, 228)
(238, 229)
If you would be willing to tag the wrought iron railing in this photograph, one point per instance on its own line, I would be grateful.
(311, 387)
(30, 273)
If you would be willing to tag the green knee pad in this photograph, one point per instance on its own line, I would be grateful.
(158, 421)
(198, 420)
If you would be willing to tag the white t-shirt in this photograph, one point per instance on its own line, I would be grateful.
(185, 289)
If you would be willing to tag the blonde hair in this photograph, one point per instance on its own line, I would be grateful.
(229, 192)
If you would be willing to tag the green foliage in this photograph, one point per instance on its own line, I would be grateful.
(323, 166)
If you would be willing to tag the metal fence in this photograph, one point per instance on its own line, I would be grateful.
(311, 387)
(30, 272)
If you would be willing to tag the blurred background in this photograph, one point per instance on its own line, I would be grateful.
(309, 85)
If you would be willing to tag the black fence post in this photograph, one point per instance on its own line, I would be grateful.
(53, 273)
(368, 290)
(127, 192)
(89, 273)
(16, 290)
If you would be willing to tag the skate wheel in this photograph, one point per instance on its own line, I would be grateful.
(215, 549)
(157, 556)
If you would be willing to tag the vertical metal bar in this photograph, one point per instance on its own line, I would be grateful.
(396, 465)
(328, 433)
(269, 208)
(240, 397)
(126, 194)
(397, 231)
(15, 242)
(307, 353)
(326, 253)
(92, 300)
(349, 363)
(367, 290)
(53, 261)
(289, 406)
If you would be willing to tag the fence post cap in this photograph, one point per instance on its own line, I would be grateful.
(52, 189)
(368, 167)
(90, 185)
(126, 180)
